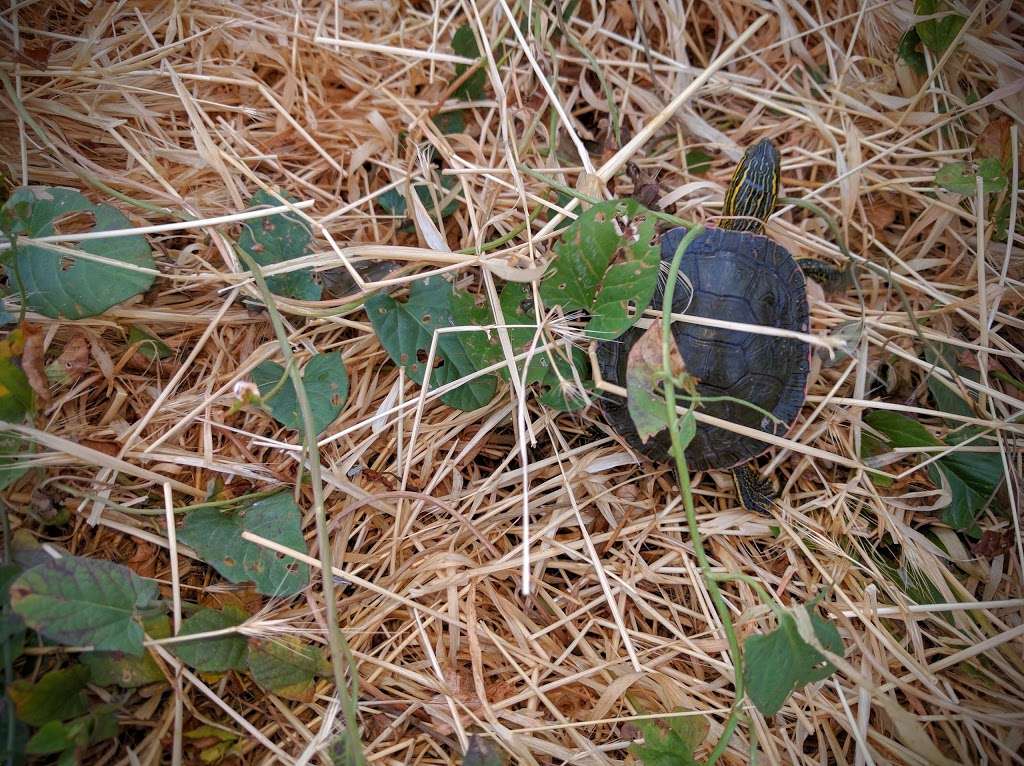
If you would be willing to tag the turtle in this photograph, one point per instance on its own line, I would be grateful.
(732, 272)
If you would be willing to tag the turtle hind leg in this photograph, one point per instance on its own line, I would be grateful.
(831, 278)
(756, 494)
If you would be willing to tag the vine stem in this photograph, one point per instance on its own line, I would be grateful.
(678, 452)
(340, 655)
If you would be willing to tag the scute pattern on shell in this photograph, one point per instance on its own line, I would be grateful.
(739, 277)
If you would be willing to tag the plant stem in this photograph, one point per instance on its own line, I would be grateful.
(340, 655)
(678, 452)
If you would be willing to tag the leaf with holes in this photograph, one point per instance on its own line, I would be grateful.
(81, 602)
(779, 662)
(277, 239)
(60, 283)
(464, 44)
(214, 654)
(939, 33)
(286, 666)
(405, 330)
(326, 381)
(562, 384)
(606, 263)
(216, 536)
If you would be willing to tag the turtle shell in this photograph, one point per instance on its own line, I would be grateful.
(735, 276)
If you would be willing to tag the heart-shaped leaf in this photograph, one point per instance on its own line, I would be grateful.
(781, 661)
(59, 284)
(216, 535)
(81, 601)
(325, 380)
(606, 263)
(405, 330)
(276, 239)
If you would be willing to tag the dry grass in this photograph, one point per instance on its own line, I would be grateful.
(192, 107)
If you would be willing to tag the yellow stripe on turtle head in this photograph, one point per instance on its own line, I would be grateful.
(753, 190)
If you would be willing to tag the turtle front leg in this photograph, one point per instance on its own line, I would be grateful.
(756, 494)
(831, 278)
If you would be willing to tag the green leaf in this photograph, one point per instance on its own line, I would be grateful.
(959, 177)
(57, 696)
(226, 742)
(946, 399)
(481, 752)
(53, 737)
(285, 666)
(216, 535)
(393, 201)
(599, 271)
(15, 391)
(560, 388)
(909, 51)
(276, 239)
(937, 34)
(781, 661)
(973, 477)
(119, 669)
(698, 161)
(405, 331)
(150, 346)
(464, 44)
(900, 430)
(326, 381)
(63, 286)
(102, 724)
(213, 655)
(450, 122)
(669, 741)
(871, 446)
(56, 737)
(81, 601)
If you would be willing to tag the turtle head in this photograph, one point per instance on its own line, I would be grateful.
(753, 189)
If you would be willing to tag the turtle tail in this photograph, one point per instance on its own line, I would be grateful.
(756, 494)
